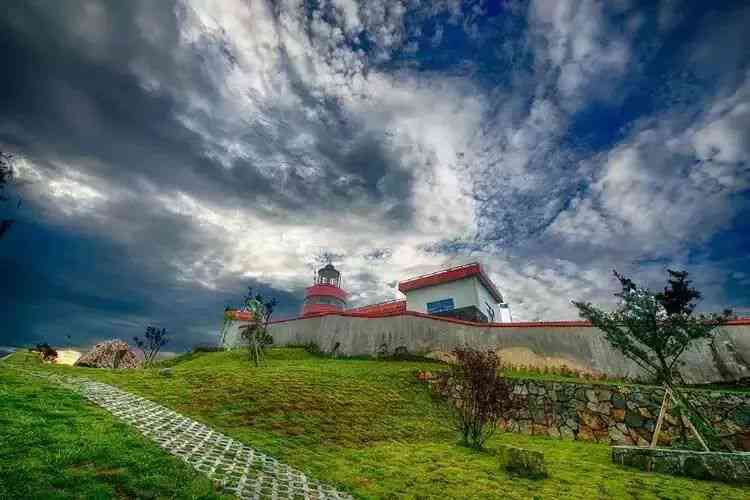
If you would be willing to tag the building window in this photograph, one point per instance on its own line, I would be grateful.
(440, 306)
(490, 312)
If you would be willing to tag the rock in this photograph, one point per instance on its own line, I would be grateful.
(605, 395)
(109, 354)
(524, 427)
(602, 407)
(526, 463)
(618, 415)
(166, 372)
(633, 420)
(594, 422)
(645, 412)
(581, 394)
(567, 432)
(585, 434)
(553, 432)
(590, 395)
(618, 402)
(538, 430)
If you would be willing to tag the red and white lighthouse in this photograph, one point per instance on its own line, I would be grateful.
(326, 294)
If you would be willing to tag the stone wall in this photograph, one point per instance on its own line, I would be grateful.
(616, 414)
(727, 467)
(576, 345)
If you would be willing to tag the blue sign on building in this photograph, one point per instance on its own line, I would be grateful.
(440, 306)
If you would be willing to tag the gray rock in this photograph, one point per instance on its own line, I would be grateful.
(526, 463)
(633, 419)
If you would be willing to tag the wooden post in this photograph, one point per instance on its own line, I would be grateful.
(687, 422)
(659, 420)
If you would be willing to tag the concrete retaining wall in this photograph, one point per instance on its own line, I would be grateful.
(573, 344)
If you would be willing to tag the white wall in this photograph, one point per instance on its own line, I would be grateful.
(484, 298)
(505, 315)
(463, 292)
(466, 292)
(580, 347)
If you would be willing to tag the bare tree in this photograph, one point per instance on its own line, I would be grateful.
(480, 396)
(152, 342)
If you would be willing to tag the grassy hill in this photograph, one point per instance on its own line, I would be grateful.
(55, 445)
(367, 426)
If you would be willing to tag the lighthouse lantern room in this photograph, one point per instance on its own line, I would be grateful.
(326, 294)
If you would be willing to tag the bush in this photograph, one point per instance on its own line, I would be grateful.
(313, 348)
(207, 348)
(480, 397)
(46, 352)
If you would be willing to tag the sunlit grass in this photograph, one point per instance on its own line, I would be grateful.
(370, 427)
(53, 444)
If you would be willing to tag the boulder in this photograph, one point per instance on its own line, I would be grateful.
(109, 354)
(526, 463)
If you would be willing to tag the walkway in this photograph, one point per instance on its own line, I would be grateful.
(241, 470)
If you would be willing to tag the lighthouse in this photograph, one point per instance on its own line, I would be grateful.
(326, 294)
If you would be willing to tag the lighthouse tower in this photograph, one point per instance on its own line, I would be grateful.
(326, 294)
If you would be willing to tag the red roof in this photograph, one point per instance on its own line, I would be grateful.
(521, 324)
(448, 275)
(382, 308)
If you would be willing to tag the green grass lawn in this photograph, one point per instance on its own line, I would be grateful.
(371, 428)
(55, 445)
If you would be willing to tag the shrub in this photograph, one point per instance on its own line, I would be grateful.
(151, 343)
(46, 352)
(207, 348)
(313, 348)
(480, 397)
(255, 331)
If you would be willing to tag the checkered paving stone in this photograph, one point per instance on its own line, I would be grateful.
(240, 469)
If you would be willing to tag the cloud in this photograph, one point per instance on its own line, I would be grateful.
(180, 151)
(668, 185)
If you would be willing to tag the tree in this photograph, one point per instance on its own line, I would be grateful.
(152, 342)
(654, 330)
(480, 397)
(6, 176)
(255, 332)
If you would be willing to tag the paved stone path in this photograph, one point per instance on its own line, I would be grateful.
(241, 470)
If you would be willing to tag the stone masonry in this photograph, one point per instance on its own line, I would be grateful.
(727, 467)
(616, 414)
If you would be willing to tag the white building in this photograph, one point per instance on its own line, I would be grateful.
(463, 292)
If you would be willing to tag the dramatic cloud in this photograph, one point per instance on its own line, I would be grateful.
(173, 153)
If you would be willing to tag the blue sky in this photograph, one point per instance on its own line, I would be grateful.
(170, 154)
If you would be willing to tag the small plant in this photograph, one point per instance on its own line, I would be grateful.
(152, 342)
(313, 348)
(480, 396)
